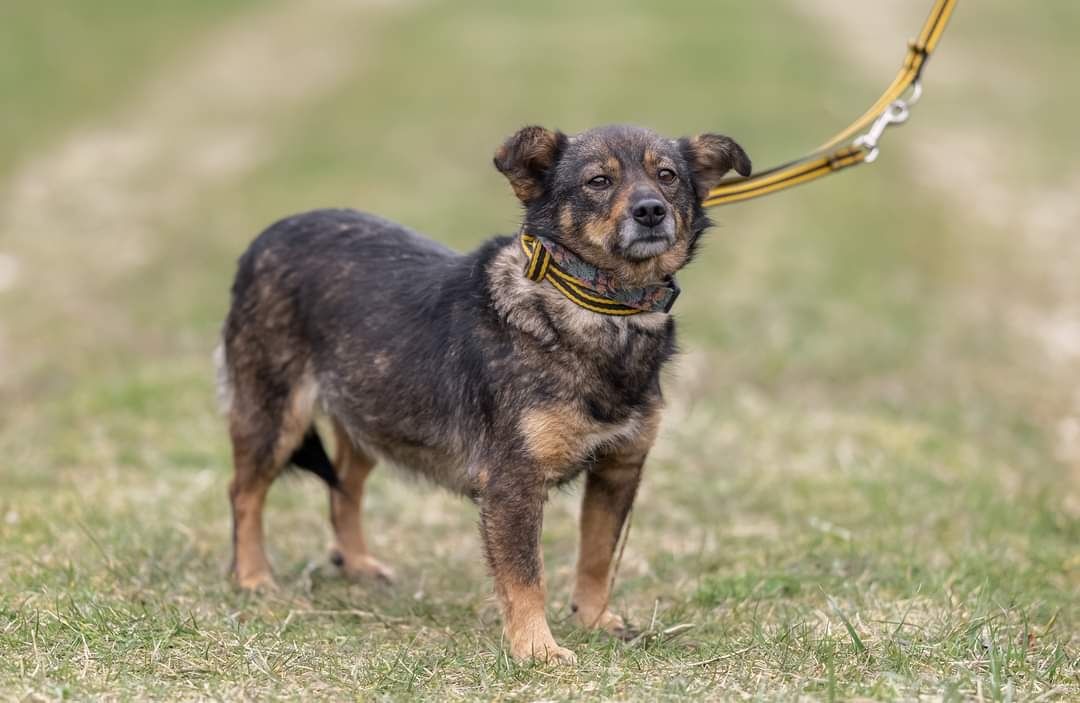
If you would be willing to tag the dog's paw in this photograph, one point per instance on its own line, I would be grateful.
(255, 582)
(541, 647)
(609, 622)
(362, 567)
(547, 653)
(559, 655)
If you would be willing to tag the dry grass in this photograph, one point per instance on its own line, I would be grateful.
(866, 485)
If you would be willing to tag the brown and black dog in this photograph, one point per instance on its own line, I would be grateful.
(498, 374)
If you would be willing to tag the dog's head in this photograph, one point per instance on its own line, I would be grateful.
(623, 198)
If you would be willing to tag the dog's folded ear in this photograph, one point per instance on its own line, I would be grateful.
(526, 159)
(710, 157)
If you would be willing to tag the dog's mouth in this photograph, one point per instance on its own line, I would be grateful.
(638, 243)
(648, 247)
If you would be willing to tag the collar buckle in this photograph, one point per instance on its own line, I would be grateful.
(675, 292)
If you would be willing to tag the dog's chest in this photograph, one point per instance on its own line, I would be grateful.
(597, 441)
(563, 440)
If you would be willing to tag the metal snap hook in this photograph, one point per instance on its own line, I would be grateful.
(896, 113)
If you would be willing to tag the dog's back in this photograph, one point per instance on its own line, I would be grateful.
(331, 310)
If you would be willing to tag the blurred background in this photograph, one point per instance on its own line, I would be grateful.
(878, 400)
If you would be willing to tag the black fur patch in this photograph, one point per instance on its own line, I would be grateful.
(311, 456)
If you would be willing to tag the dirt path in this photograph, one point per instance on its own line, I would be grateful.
(1034, 222)
(89, 207)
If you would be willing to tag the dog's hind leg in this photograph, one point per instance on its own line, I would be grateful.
(350, 551)
(266, 425)
(247, 493)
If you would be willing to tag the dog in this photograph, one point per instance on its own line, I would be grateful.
(498, 374)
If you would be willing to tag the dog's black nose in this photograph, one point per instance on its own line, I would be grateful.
(649, 211)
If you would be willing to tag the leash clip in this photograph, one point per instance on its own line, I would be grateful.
(896, 113)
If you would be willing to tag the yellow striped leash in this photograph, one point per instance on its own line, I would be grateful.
(842, 151)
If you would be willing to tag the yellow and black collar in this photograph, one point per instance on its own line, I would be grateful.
(589, 287)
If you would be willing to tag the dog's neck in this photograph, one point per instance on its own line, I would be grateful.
(540, 310)
(588, 286)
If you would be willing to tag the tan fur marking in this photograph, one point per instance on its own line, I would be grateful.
(251, 482)
(598, 535)
(566, 218)
(353, 467)
(609, 492)
(560, 437)
(247, 493)
(526, 191)
(599, 231)
(297, 419)
(650, 162)
(523, 157)
(480, 477)
(680, 220)
(712, 156)
(553, 435)
(525, 623)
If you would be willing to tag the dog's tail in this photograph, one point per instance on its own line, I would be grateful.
(311, 456)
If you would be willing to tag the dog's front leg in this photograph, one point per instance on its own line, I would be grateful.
(610, 488)
(511, 519)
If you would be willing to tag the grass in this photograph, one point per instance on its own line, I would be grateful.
(71, 57)
(865, 486)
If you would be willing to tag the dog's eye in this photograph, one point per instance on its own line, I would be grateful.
(666, 176)
(599, 182)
